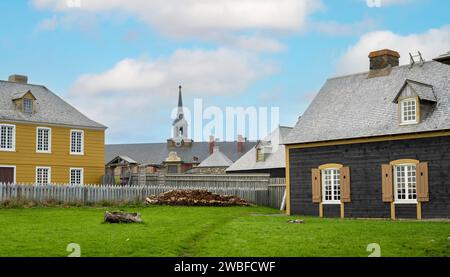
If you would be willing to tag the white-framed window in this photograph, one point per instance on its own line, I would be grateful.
(28, 105)
(405, 183)
(43, 175)
(76, 176)
(77, 142)
(408, 108)
(331, 186)
(7, 137)
(43, 140)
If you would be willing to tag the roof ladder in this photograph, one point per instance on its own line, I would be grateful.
(416, 59)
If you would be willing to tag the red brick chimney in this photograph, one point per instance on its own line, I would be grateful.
(240, 144)
(212, 143)
(383, 58)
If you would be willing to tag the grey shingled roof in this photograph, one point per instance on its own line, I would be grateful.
(216, 159)
(156, 153)
(49, 107)
(356, 106)
(274, 160)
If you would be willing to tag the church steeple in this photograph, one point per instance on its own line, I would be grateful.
(180, 124)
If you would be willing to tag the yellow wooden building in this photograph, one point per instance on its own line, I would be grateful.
(45, 140)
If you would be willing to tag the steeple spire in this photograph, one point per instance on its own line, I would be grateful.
(180, 97)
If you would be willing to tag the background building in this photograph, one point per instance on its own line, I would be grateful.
(45, 140)
(178, 154)
(375, 144)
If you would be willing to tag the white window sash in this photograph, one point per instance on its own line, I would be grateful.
(408, 186)
(40, 176)
(403, 111)
(77, 143)
(10, 132)
(28, 105)
(71, 176)
(40, 144)
(333, 192)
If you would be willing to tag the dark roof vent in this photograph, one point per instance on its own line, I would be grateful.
(21, 79)
(444, 58)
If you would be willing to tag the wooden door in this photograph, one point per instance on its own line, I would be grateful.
(6, 175)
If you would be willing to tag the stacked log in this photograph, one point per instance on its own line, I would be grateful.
(195, 198)
(119, 217)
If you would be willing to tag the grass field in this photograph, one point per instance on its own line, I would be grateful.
(237, 231)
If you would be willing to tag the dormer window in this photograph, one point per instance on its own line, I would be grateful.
(25, 102)
(259, 155)
(28, 106)
(409, 111)
(414, 100)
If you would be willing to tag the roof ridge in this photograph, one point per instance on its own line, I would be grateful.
(368, 71)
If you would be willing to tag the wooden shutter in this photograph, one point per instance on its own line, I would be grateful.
(422, 182)
(316, 186)
(387, 183)
(345, 185)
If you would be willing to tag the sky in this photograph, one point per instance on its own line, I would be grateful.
(121, 62)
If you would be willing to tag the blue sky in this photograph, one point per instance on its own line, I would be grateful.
(120, 62)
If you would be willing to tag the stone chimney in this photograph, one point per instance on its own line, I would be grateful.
(240, 144)
(21, 79)
(382, 59)
(211, 144)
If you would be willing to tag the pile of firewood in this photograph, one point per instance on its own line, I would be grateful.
(194, 198)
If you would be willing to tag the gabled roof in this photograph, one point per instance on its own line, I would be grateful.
(20, 95)
(216, 159)
(356, 106)
(156, 153)
(122, 159)
(49, 108)
(423, 91)
(276, 159)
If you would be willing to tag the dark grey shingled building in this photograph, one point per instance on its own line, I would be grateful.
(375, 144)
(177, 155)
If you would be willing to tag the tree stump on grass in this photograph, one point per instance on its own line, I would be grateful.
(119, 217)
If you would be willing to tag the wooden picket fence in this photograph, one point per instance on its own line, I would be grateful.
(254, 189)
(276, 192)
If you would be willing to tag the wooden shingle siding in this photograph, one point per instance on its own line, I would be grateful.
(365, 161)
(408, 211)
(26, 159)
(332, 211)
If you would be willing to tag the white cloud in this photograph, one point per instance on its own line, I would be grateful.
(431, 44)
(200, 18)
(253, 25)
(129, 95)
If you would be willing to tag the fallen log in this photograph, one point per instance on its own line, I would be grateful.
(119, 217)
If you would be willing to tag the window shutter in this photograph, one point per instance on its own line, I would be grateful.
(422, 182)
(316, 186)
(387, 183)
(345, 185)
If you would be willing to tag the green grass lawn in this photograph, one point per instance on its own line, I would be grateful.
(237, 231)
